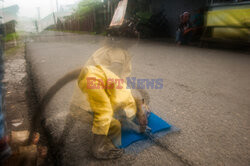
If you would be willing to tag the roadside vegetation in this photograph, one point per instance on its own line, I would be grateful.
(85, 7)
(11, 36)
(12, 44)
(12, 51)
(89, 16)
(79, 32)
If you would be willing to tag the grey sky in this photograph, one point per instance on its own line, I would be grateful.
(28, 8)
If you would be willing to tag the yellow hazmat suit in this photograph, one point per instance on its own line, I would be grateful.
(103, 82)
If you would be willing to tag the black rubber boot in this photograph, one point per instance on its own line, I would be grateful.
(103, 148)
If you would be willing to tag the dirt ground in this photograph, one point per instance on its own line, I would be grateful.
(18, 101)
(15, 81)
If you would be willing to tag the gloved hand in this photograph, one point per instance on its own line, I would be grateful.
(141, 115)
(143, 122)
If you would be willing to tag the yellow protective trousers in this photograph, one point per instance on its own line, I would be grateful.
(106, 94)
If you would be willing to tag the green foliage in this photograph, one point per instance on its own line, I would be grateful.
(93, 33)
(11, 36)
(12, 51)
(144, 16)
(104, 33)
(86, 6)
(78, 32)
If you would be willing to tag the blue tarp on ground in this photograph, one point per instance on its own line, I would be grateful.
(155, 123)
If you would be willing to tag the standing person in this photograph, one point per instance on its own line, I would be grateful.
(184, 30)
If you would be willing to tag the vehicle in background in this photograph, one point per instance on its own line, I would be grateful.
(228, 20)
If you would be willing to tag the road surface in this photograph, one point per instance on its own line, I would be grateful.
(206, 94)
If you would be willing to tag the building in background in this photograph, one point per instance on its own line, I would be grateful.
(10, 17)
(55, 17)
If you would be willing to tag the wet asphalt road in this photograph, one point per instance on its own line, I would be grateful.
(206, 94)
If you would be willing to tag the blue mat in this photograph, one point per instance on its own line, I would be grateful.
(156, 124)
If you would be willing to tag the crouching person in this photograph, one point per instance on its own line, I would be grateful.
(102, 80)
(184, 30)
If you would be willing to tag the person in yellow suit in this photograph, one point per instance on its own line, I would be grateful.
(103, 81)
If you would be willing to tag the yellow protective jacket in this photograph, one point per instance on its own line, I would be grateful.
(106, 94)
